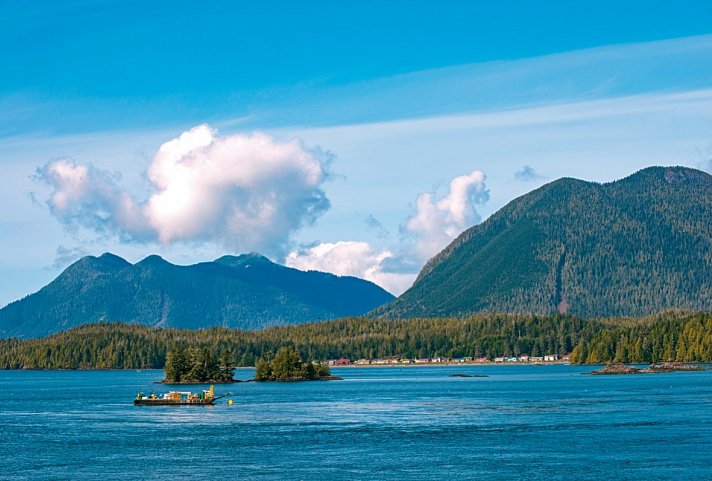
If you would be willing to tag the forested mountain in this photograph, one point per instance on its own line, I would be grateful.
(661, 337)
(626, 248)
(247, 291)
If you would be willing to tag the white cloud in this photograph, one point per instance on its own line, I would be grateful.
(245, 192)
(351, 258)
(85, 196)
(437, 221)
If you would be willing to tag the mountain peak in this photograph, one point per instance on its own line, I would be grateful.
(246, 292)
(626, 248)
(154, 260)
(669, 175)
(108, 257)
(244, 260)
(104, 263)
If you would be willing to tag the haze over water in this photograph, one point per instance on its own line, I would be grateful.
(521, 422)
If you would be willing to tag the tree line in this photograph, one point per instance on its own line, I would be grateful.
(654, 339)
(670, 335)
(287, 365)
(197, 365)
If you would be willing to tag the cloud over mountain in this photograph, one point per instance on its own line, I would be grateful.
(437, 220)
(351, 258)
(245, 192)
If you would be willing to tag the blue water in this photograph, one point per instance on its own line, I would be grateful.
(520, 423)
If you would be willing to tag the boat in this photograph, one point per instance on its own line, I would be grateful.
(179, 398)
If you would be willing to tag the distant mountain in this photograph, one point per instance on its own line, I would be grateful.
(625, 248)
(247, 291)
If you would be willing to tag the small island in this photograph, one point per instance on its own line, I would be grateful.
(197, 366)
(614, 368)
(671, 367)
(287, 366)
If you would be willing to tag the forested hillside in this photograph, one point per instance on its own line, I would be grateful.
(678, 336)
(627, 248)
(652, 339)
(247, 291)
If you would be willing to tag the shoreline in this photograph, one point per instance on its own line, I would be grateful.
(198, 383)
(351, 366)
(458, 364)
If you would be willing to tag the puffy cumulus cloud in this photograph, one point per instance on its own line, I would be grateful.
(246, 192)
(438, 220)
(351, 258)
(249, 191)
(85, 196)
(435, 223)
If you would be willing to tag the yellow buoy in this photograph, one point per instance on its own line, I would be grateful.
(229, 402)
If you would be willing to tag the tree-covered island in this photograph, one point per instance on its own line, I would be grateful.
(197, 366)
(287, 365)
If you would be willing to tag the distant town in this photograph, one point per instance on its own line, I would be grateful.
(394, 360)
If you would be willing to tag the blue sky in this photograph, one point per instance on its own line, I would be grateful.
(390, 101)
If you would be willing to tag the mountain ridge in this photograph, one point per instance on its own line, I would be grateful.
(246, 291)
(603, 244)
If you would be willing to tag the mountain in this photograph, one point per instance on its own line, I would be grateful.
(247, 291)
(626, 248)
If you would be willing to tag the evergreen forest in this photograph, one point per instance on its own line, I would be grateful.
(632, 247)
(197, 365)
(671, 335)
(287, 365)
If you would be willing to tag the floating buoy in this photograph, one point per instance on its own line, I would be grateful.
(229, 402)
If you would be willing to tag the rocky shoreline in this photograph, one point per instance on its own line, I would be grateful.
(195, 382)
(235, 381)
(301, 379)
(672, 367)
(618, 368)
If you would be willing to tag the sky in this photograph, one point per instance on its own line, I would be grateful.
(358, 138)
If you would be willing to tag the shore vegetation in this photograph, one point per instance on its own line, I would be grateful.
(197, 366)
(287, 365)
(668, 336)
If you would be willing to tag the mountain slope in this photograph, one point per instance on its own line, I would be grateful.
(247, 291)
(630, 247)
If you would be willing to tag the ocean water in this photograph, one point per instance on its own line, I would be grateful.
(398, 423)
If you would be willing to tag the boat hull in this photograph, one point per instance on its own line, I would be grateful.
(173, 402)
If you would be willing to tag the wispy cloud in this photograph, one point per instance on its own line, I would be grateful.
(67, 255)
(527, 174)
(375, 225)
(587, 74)
(582, 75)
(558, 113)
